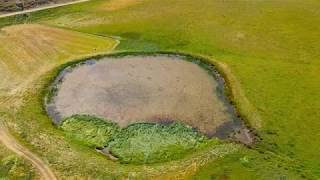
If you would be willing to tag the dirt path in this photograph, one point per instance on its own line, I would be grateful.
(41, 8)
(9, 141)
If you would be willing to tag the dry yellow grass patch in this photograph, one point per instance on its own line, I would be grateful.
(28, 51)
(114, 5)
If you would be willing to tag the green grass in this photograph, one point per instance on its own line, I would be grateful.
(249, 165)
(140, 143)
(150, 143)
(272, 48)
(92, 131)
(14, 167)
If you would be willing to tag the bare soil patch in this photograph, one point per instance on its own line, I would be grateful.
(152, 89)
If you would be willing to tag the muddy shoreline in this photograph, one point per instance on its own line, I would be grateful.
(234, 130)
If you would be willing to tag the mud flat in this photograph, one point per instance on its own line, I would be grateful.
(153, 89)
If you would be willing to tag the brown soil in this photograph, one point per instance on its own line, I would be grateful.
(157, 89)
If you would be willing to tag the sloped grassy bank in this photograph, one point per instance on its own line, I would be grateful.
(139, 143)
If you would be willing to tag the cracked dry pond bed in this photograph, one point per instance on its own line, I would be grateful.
(155, 95)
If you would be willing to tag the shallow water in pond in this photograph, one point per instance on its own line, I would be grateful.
(155, 89)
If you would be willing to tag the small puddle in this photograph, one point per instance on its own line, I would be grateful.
(148, 89)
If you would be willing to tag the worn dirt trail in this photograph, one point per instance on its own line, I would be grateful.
(41, 8)
(9, 141)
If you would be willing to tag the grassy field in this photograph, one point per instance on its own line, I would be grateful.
(42, 46)
(14, 167)
(271, 47)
